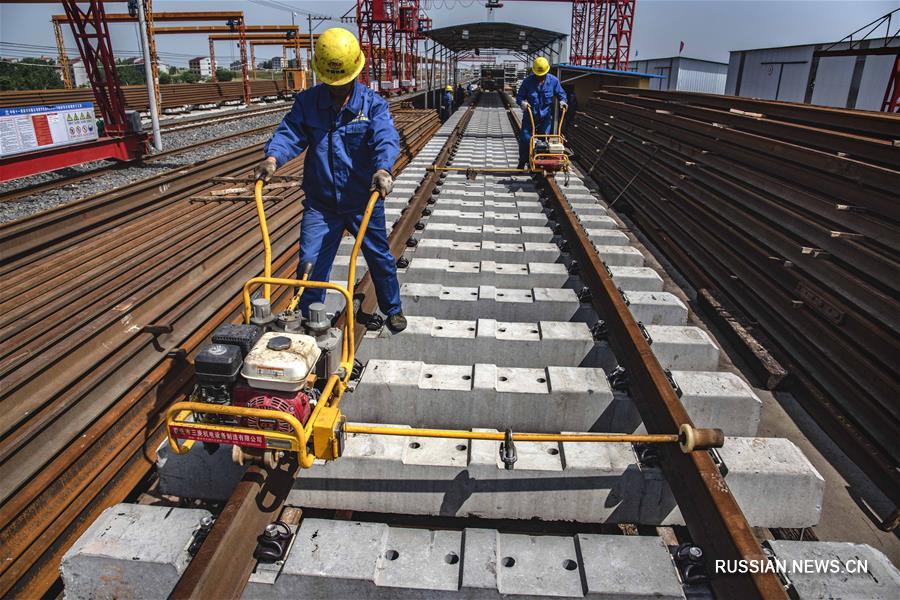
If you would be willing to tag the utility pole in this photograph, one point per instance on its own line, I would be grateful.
(148, 75)
(311, 70)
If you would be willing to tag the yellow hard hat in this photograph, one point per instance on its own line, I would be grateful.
(338, 58)
(541, 66)
(449, 88)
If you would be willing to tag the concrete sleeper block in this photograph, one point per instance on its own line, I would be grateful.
(503, 252)
(487, 301)
(478, 233)
(373, 560)
(130, 551)
(683, 347)
(839, 570)
(483, 341)
(480, 395)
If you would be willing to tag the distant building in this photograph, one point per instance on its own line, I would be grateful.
(201, 65)
(79, 74)
(235, 65)
(680, 73)
(277, 64)
(796, 74)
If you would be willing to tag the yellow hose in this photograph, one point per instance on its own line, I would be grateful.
(264, 229)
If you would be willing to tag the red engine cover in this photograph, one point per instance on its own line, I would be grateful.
(294, 403)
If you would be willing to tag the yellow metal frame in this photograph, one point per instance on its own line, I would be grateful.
(532, 157)
(329, 400)
(687, 438)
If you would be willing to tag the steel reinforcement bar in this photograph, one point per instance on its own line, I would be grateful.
(174, 95)
(87, 393)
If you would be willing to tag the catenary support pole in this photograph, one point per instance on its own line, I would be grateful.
(148, 75)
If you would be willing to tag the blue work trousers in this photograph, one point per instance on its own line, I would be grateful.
(320, 235)
(543, 128)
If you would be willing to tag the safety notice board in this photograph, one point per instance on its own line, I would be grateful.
(30, 128)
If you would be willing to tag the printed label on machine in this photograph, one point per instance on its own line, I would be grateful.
(30, 128)
(198, 434)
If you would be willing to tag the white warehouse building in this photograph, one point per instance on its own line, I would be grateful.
(799, 74)
(680, 73)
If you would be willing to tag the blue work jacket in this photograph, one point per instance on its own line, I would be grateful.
(540, 97)
(345, 145)
(447, 99)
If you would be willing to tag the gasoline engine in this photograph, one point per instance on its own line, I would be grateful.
(272, 363)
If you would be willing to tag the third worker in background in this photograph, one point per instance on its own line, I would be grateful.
(446, 103)
(537, 92)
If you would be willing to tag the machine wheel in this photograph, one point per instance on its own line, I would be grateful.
(246, 456)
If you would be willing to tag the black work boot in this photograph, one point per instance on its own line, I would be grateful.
(396, 322)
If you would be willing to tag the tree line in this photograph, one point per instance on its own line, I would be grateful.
(42, 74)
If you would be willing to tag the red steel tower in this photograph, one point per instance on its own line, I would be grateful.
(389, 33)
(376, 19)
(407, 31)
(601, 33)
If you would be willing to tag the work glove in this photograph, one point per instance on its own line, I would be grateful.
(563, 105)
(525, 105)
(265, 170)
(382, 182)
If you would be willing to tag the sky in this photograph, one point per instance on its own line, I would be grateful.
(709, 28)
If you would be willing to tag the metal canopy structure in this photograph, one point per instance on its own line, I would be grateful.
(518, 40)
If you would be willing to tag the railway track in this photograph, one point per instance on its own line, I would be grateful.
(502, 280)
(142, 275)
(529, 308)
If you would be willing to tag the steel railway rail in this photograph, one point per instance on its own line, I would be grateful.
(179, 125)
(142, 276)
(225, 560)
(789, 212)
(210, 119)
(39, 188)
(174, 95)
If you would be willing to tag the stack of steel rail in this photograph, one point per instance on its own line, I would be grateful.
(104, 301)
(173, 95)
(789, 212)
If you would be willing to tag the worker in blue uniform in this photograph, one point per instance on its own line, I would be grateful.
(447, 103)
(537, 91)
(351, 145)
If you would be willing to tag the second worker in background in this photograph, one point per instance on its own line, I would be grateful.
(537, 92)
(351, 145)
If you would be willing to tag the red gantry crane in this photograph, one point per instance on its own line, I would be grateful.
(601, 31)
(389, 33)
(120, 140)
